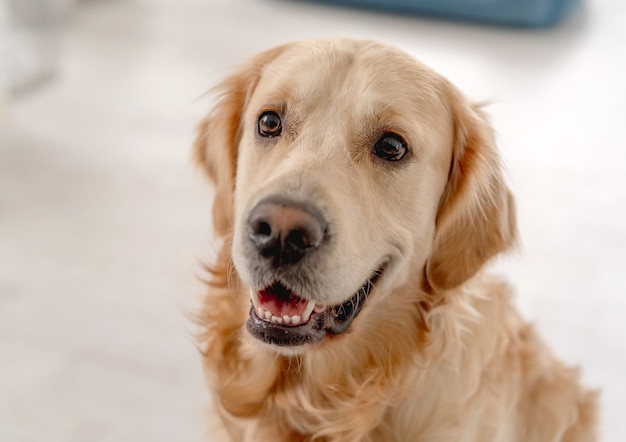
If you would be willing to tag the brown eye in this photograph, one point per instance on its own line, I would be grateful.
(390, 147)
(269, 124)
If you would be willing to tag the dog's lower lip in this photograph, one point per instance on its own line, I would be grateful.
(322, 321)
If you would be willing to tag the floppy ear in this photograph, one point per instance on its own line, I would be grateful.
(476, 218)
(217, 141)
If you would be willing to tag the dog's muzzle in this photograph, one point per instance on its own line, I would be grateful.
(285, 237)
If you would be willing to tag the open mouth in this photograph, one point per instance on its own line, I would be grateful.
(281, 317)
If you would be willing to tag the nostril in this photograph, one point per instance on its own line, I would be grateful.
(263, 229)
(262, 234)
(265, 238)
(298, 239)
(308, 236)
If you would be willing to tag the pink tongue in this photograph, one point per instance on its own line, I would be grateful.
(280, 301)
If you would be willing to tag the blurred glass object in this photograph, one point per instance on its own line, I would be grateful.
(530, 13)
(30, 35)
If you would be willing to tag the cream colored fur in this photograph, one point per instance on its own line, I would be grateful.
(438, 353)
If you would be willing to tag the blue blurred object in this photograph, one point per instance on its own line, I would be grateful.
(532, 13)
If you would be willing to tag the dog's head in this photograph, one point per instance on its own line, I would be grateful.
(342, 169)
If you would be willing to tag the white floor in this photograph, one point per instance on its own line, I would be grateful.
(103, 220)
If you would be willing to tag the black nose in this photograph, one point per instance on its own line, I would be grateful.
(285, 231)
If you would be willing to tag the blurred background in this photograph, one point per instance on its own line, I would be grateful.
(104, 220)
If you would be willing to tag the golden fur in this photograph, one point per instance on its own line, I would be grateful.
(438, 352)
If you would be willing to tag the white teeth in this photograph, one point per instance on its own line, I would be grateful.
(286, 319)
(307, 311)
(254, 295)
(319, 308)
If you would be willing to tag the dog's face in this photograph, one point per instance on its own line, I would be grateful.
(339, 175)
(343, 168)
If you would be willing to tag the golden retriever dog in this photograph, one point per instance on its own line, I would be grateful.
(359, 196)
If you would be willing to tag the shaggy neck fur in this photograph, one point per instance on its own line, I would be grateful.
(350, 389)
